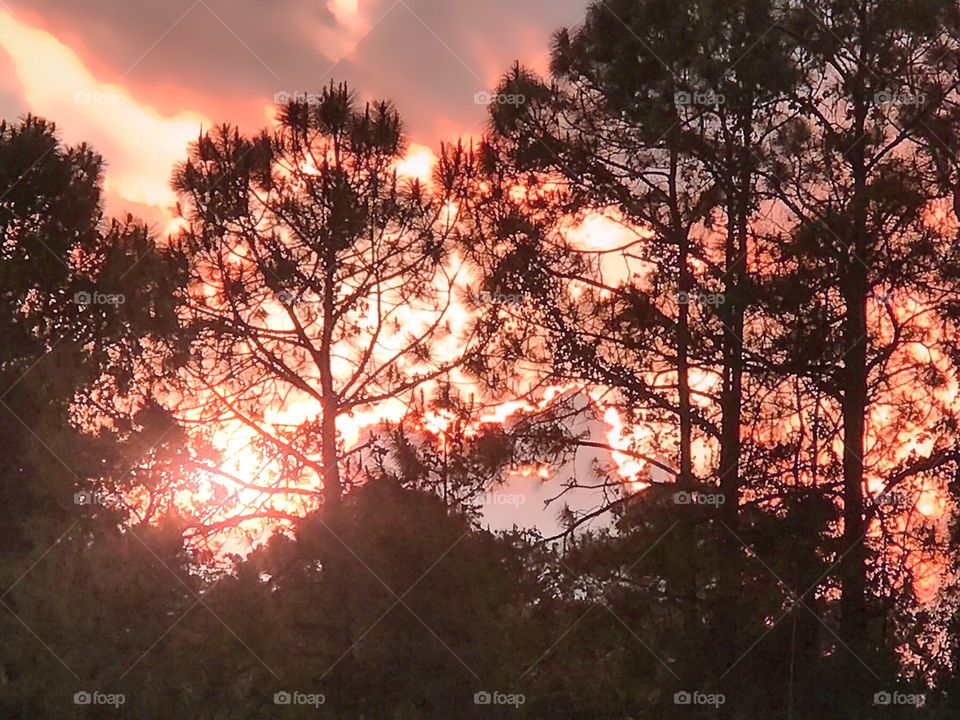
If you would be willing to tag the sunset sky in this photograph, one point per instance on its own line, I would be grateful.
(137, 80)
(430, 359)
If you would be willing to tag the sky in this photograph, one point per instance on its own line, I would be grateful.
(138, 80)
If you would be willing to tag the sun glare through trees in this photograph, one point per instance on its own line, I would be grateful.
(565, 359)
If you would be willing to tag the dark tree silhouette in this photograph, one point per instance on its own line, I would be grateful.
(316, 276)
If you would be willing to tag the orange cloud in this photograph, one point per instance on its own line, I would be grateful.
(343, 10)
(418, 163)
(139, 143)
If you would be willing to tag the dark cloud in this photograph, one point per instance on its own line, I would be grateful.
(434, 56)
(430, 56)
(214, 44)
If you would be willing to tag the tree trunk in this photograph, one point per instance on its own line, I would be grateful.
(330, 404)
(731, 401)
(686, 529)
(854, 401)
(731, 314)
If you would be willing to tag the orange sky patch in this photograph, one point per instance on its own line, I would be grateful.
(140, 143)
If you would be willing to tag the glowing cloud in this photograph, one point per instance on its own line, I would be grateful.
(140, 144)
(343, 9)
(418, 163)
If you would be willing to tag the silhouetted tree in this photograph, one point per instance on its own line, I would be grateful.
(316, 277)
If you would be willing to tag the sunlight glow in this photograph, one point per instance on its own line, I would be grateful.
(140, 144)
(418, 164)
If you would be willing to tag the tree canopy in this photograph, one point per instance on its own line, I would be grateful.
(705, 271)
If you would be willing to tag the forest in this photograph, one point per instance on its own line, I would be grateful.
(695, 296)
